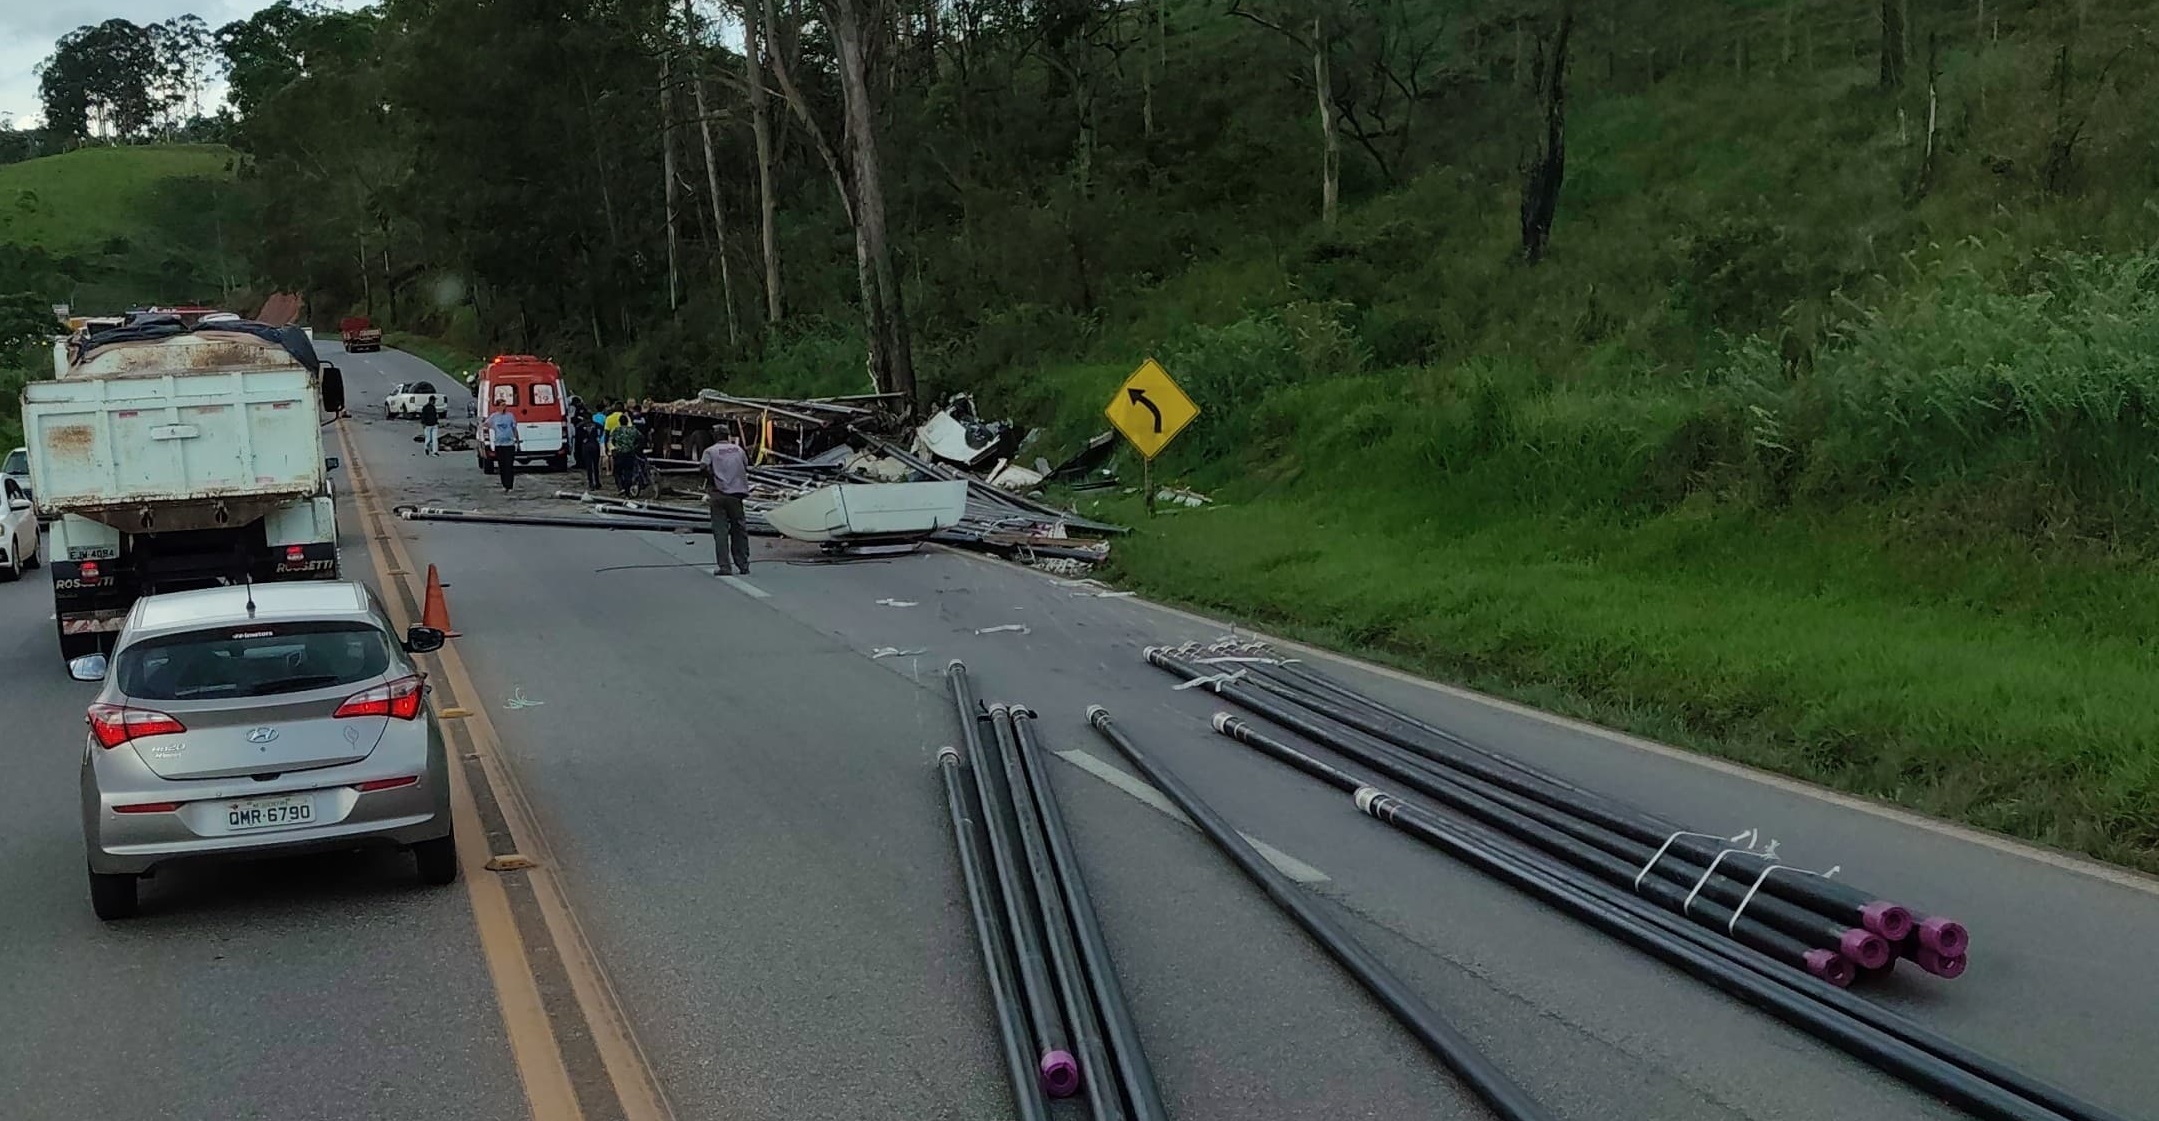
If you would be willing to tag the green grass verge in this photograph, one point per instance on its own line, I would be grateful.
(2008, 692)
(452, 360)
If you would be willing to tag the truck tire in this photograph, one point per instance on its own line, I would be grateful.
(694, 445)
(558, 463)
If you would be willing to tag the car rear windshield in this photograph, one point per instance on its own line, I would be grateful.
(251, 660)
(423, 387)
(18, 463)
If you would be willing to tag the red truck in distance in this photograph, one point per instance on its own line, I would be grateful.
(358, 334)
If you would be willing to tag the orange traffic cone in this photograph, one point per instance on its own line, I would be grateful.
(435, 612)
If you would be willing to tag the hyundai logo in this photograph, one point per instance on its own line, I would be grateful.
(261, 735)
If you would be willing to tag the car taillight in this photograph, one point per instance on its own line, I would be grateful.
(147, 808)
(88, 570)
(399, 698)
(114, 725)
(373, 785)
(295, 553)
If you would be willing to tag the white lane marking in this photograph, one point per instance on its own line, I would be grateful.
(745, 587)
(1100, 768)
(2067, 862)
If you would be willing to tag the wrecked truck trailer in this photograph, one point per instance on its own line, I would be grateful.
(791, 429)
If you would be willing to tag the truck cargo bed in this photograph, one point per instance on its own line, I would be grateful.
(186, 450)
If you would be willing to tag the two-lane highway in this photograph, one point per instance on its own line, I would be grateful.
(741, 796)
(321, 987)
(736, 801)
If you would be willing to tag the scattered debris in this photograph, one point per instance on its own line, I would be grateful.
(1182, 496)
(870, 513)
(518, 699)
(1020, 628)
(510, 862)
(956, 435)
(1105, 595)
(1087, 460)
(894, 652)
(1012, 476)
(1060, 566)
(888, 601)
(847, 473)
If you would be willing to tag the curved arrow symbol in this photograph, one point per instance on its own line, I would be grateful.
(1139, 397)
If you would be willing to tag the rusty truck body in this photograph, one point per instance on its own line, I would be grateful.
(185, 459)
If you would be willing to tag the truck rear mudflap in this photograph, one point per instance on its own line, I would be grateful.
(90, 603)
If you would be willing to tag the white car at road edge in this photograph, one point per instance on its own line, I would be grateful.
(406, 401)
(18, 532)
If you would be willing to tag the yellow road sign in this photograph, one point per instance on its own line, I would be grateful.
(1150, 409)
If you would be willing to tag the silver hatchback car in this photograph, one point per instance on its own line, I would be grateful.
(259, 721)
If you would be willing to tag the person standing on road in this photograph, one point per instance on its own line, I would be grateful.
(727, 481)
(588, 451)
(617, 416)
(502, 434)
(429, 420)
(628, 451)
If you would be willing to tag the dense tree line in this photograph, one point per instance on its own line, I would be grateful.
(659, 189)
(593, 174)
(120, 80)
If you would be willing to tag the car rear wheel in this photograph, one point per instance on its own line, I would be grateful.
(112, 897)
(437, 860)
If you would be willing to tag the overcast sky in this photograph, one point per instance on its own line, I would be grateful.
(28, 29)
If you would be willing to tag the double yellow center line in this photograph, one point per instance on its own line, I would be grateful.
(624, 1087)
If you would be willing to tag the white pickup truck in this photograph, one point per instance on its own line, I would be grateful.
(172, 458)
(406, 401)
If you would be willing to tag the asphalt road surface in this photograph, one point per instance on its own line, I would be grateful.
(739, 804)
(317, 987)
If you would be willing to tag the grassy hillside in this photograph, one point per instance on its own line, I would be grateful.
(101, 228)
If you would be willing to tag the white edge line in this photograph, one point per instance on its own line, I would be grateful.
(745, 587)
(2052, 858)
(1094, 765)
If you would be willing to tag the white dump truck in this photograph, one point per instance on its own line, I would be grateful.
(171, 458)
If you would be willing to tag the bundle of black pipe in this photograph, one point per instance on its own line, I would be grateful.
(1059, 1070)
(1486, 1080)
(1946, 940)
(1041, 912)
(997, 962)
(1716, 884)
(1133, 1072)
(1891, 921)
(1861, 1028)
(1056, 926)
